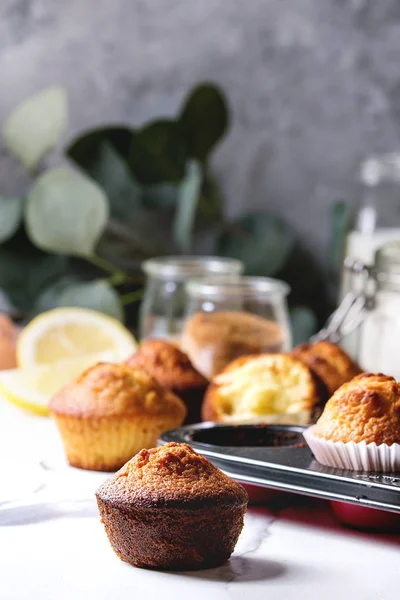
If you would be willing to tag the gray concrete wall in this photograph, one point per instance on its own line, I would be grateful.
(314, 84)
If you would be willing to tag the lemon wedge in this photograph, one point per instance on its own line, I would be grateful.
(69, 333)
(33, 387)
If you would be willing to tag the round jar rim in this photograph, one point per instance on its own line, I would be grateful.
(230, 286)
(184, 267)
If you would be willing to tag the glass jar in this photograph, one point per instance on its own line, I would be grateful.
(377, 346)
(378, 216)
(163, 307)
(250, 315)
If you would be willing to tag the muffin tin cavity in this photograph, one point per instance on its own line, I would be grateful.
(250, 436)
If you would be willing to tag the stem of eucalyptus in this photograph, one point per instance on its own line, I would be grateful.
(131, 297)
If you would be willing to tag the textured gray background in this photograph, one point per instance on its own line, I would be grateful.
(314, 84)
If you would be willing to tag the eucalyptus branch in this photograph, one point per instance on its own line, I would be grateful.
(131, 297)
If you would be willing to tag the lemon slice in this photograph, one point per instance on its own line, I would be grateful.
(66, 333)
(33, 387)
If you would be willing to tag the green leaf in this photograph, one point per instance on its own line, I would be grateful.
(211, 204)
(205, 120)
(262, 241)
(158, 153)
(68, 291)
(97, 295)
(84, 149)
(10, 216)
(66, 213)
(49, 297)
(23, 276)
(188, 197)
(36, 125)
(162, 196)
(304, 324)
(102, 154)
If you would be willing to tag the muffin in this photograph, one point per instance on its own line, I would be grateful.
(110, 412)
(360, 425)
(170, 508)
(173, 370)
(265, 388)
(329, 362)
(213, 340)
(8, 340)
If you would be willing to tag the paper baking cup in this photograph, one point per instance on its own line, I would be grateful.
(354, 456)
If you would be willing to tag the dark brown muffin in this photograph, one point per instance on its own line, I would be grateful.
(329, 362)
(173, 370)
(170, 508)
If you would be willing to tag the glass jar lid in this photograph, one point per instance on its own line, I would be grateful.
(231, 287)
(180, 268)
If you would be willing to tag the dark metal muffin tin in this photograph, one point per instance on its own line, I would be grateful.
(277, 457)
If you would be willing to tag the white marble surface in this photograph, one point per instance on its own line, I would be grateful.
(292, 551)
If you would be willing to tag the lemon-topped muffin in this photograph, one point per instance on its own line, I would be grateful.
(173, 370)
(265, 388)
(170, 508)
(110, 412)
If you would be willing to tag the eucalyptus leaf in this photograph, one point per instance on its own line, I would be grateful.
(36, 125)
(304, 324)
(84, 149)
(205, 120)
(262, 241)
(102, 154)
(66, 212)
(97, 295)
(188, 197)
(11, 209)
(211, 204)
(49, 297)
(113, 174)
(158, 153)
(23, 276)
(162, 196)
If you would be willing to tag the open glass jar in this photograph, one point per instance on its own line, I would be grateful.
(164, 303)
(228, 317)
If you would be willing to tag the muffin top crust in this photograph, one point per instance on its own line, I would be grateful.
(174, 476)
(366, 409)
(168, 364)
(330, 362)
(107, 390)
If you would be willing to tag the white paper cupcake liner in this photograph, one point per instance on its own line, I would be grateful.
(354, 456)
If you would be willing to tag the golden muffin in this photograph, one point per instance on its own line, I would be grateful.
(366, 409)
(110, 412)
(213, 340)
(264, 388)
(330, 363)
(170, 508)
(173, 370)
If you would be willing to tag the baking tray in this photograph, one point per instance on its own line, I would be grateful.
(276, 457)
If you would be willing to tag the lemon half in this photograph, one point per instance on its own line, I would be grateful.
(33, 387)
(68, 333)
